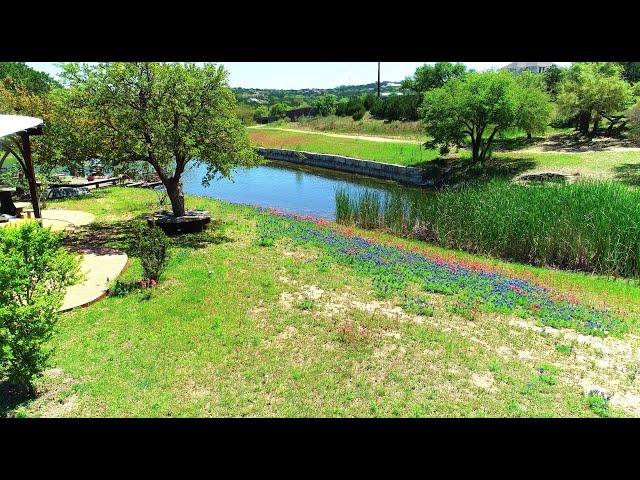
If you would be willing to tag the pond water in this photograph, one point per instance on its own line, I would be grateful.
(291, 188)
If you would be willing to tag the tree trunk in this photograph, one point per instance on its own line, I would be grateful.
(596, 122)
(176, 196)
(475, 150)
(529, 136)
(584, 119)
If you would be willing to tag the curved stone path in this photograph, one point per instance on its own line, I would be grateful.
(59, 219)
(99, 269)
(99, 265)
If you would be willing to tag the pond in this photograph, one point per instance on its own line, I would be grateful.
(291, 188)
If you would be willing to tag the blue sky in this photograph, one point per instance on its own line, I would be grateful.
(293, 75)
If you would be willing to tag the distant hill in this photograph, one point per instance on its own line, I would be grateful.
(304, 96)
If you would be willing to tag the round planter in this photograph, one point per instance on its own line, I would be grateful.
(193, 221)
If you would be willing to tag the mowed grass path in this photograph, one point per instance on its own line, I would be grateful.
(239, 329)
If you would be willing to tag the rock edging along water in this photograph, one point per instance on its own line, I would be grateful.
(407, 175)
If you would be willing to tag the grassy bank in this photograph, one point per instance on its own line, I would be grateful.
(589, 226)
(508, 159)
(367, 126)
(389, 152)
(267, 315)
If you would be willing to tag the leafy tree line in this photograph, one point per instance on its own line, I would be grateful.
(14, 74)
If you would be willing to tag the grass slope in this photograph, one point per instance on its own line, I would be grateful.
(242, 327)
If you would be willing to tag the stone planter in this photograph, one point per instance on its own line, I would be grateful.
(193, 221)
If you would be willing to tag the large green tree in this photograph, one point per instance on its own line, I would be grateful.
(533, 105)
(169, 115)
(551, 78)
(479, 106)
(593, 91)
(427, 77)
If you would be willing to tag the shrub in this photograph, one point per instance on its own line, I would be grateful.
(260, 111)
(326, 105)
(279, 110)
(34, 272)
(358, 114)
(598, 402)
(150, 244)
(396, 107)
(265, 242)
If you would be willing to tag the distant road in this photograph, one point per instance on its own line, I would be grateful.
(341, 135)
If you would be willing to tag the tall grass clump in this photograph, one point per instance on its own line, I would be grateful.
(590, 226)
(344, 210)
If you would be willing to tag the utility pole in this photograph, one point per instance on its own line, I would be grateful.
(378, 79)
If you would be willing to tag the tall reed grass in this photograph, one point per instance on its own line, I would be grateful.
(589, 226)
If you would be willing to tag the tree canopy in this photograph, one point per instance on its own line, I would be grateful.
(19, 73)
(592, 91)
(427, 77)
(326, 105)
(279, 110)
(479, 106)
(166, 114)
(17, 100)
(631, 71)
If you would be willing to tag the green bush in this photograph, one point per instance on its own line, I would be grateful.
(151, 245)
(279, 110)
(326, 105)
(358, 114)
(396, 107)
(34, 272)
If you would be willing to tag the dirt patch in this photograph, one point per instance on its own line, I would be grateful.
(540, 177)
(196, 391)
(485, 381)
(610, 364)
(55, 398)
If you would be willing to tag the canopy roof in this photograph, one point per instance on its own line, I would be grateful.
(17, 123)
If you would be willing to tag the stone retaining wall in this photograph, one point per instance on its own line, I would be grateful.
(407, 175)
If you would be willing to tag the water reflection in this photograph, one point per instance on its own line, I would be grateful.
(294, 189)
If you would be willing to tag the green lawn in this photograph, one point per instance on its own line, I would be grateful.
(239, 329)
(387, 152)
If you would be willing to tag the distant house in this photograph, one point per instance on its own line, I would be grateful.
(535, 67)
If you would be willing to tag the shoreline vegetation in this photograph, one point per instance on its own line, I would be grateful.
(589, 226)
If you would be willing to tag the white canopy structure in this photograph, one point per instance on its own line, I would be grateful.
(17, 123)
(24, 127)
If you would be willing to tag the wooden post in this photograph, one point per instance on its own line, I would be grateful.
(31, 175)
